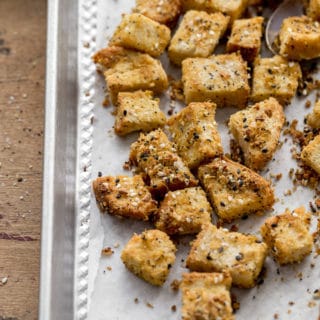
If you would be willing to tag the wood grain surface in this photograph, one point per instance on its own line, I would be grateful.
(22, 73)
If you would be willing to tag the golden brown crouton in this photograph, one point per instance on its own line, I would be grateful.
(138, 111)
(246, 37)
(311, 154)
(128, 70)
(197, 36)
(195, 133)
(155, 156)
(235, 190)
(257, 131)
(218, 249)
(124, 196)
(150, 256)
(232, 8)
(300, 38)
(313, 119)
(223, 79)
(313, 10)
(141, 33)
(184, 211)
(287, 236)
(275, 77)
(206, 296)
(162, 11)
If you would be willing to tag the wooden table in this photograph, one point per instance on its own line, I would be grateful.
(22, 74)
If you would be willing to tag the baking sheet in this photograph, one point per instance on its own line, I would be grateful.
(114, 293)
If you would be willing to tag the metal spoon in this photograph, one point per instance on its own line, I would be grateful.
(286, 9)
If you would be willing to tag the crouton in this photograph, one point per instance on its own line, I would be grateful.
(299, 38)
(313, 119)
(155, 156)
(257, 131)
(197, 36)
(162, 11)
(311, 154)
(206, 296)
(141, 33)
(217, 249)
(287, 236)
(246, 37)
(150, 256)
(138, 111)
(195, 133)
(235, 190)
(184, 211)
(313, 10)
(128, 70)
(234, 8)
(275, 77)
(223, 79)
(124, 196)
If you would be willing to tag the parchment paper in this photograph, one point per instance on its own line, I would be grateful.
(286, 291)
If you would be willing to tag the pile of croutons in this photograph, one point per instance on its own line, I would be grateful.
(182, 175)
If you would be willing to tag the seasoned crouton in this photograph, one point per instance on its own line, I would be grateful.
(155, 156)
(299, 38)
(313, 119)
(311, 154)
(218, 249)
(195, 133)
(127, 70)
(197, 36)
(150, 256)
(184, 211)
(223, 79)
(246, 37)
(214, 290)
(275, 77)
(124, 196)
(162, 11)
(235, 190)
(287, 235)
(141, 33)
(232, 8)
(313, 10)
(257, 131)
(138, 111)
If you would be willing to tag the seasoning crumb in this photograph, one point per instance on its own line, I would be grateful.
(275, 316)
(175, 284)
(109, 268)
(4, 280)
(235, 302)
(174, 308)
(107, 251)
(316, 294)
(136, 300)
(149, 305)
(116, 245)
(291, 303)
(127, 165)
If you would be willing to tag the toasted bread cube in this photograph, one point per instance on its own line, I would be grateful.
(218, 249)
(141, 33)
(206, 296)
(197, 35)
(275, 77)
(313, 10)
(127, 70)
(246, 37)
(138, 111)
(162, 11)
(223, 79)
(257, 131)
(232, 8)
(300, 38)
(287, 236)
(195, 133)
(235, 190)
(184, 211)
(156, 157)
(124, 196)
(311, 154)
(150, 256)
(313, 119)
